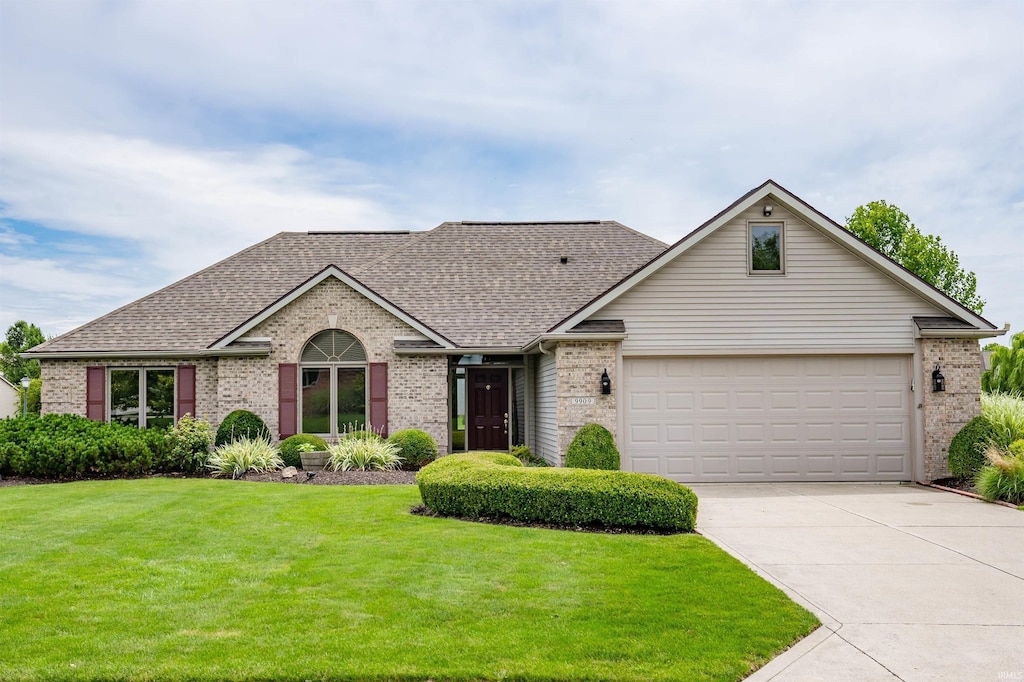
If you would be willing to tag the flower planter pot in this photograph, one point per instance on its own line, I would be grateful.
(312, 461)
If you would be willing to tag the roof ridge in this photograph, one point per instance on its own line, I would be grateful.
(163, 289)
(648, 237)
(531, 222)
(419, 236)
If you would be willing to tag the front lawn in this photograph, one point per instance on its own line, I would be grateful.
(201, 579)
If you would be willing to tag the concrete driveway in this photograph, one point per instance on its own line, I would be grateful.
(910, 583)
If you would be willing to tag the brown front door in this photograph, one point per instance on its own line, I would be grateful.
(487, 408)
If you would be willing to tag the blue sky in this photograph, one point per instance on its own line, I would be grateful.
(141, 141)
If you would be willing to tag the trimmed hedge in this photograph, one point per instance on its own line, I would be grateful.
(416, 448)
(496, 485)
(290, 448)
(593, 447)
(967, 449)
(241, 424)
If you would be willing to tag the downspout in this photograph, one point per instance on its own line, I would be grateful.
(540, 346)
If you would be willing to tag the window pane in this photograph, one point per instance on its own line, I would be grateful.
(766, 247)
(124, 396)
(458, 416)
(159, 398)
(351, 398)
(316, 400)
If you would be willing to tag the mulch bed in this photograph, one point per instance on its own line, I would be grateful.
(955, 484)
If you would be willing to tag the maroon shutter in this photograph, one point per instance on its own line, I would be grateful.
(379, 397)
(186, 385)
(287, 399)
(96, 393)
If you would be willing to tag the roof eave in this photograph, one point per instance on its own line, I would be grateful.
(261, 351)
(962, 333)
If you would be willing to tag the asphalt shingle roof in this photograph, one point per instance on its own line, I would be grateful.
(478, 284)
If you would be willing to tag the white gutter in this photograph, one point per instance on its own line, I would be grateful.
(499, 350)
(100, 355)
(573, 336)
(962, 333)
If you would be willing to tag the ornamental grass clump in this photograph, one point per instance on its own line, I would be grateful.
(1005, 412)
(1003, 477)
(245, 454)
(363, 454)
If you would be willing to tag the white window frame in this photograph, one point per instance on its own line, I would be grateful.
(751, 224)
(331, 367)
(142, 390)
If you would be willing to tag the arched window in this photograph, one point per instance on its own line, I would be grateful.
(333, 396)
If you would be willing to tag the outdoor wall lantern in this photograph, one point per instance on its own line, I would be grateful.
(606, 383)
(938, 381)
(25, 381)
(767, 210)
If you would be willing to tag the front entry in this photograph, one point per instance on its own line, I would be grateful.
(487, 408)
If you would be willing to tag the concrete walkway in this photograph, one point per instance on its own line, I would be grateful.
(910, 583)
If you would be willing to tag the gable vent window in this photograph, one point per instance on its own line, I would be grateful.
(765, 249)
(333, 391)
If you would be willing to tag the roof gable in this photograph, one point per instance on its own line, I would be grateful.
(805, 212)
(345, 278)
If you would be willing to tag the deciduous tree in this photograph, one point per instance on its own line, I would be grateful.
(889, 230)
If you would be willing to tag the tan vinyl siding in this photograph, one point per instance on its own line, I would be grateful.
(828, 299)
(546, 409)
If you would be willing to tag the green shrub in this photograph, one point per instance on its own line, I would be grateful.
(291, 452)
(593, 447)
(241, 424)
(68, 446)
(496, 485)
(1002, 478)
(966, 450)
(1017, 448)
(363, 454)
(1006, 367)
(1005, 413)
(188, 444)
(524, 455)
(245, 454)
(416, 448)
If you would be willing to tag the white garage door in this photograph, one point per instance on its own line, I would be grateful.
(816, 418)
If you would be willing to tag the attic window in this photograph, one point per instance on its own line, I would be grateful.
(766, 249)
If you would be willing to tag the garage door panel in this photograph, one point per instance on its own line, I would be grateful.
(815, 418)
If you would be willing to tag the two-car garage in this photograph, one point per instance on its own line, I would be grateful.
(809, 417)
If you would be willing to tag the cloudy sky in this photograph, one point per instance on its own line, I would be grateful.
(141, 141)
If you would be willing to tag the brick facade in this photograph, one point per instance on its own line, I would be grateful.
(63, 390)
(945, 413)
(579, 365)
(417, 385)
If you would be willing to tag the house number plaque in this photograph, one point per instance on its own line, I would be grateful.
(582, 401)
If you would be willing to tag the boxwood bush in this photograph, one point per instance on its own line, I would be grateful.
(416, 448)
(497, 485)
(967, 449)
(241, 424)
(68, 446)
(593, 447)
(290, 452)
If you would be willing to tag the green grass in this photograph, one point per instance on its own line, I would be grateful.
(210, 580)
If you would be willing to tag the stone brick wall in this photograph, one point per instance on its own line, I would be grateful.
(945, 413)
(417, 385)
(64, 383)
(580, 365)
